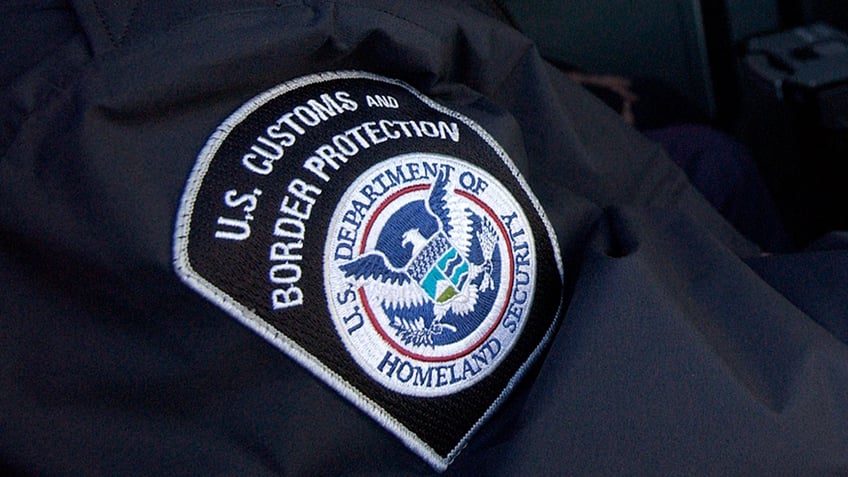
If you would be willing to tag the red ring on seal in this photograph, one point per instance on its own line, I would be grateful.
(367, 306)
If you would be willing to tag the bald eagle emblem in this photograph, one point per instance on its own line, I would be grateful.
(432, 269)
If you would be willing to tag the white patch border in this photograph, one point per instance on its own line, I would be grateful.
(247, 317)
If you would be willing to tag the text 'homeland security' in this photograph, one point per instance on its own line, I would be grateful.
(435, 376)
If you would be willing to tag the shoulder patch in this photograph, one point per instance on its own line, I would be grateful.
(381, 240)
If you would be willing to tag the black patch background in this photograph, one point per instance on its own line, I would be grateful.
(240, 269)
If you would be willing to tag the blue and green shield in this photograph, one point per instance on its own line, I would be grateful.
(440, 269)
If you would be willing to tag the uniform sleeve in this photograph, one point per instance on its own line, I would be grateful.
(31, 30)
(680, 350)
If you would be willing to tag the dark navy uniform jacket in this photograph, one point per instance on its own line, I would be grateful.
(680, 349)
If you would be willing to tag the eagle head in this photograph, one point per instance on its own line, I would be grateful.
(413, 237)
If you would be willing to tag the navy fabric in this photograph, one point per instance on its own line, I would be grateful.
(682, 350)
(723, 170)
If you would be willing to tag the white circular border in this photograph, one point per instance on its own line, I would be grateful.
(368, 346)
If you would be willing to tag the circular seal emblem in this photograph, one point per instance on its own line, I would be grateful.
(433, 260)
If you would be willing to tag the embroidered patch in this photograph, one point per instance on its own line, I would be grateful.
(423, 282)
(384, 242)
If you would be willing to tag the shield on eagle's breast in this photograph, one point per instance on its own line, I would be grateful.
(454, 268)
(440, 269)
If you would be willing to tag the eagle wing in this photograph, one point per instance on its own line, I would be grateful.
(393, 287)
(487, 236)
(453, 217)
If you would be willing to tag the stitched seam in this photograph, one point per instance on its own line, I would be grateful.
(104, 23)
(119, 40)
(126, 28)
